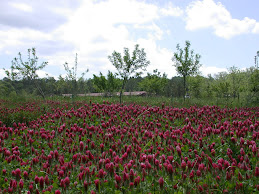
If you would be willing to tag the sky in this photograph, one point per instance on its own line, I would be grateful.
(224, 32)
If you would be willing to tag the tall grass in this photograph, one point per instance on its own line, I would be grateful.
(159, 100)
(17, 100)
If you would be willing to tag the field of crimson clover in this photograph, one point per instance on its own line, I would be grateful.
(85, 147)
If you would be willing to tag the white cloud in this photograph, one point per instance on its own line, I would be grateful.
(93, 22)
(172, 11)
(94, 29)
(160, 58)
(256, 28)
(108, 20)
(22, 6)
(42, 74)
(206, 70)
(208, 14)
(2, 73)
(154, 30)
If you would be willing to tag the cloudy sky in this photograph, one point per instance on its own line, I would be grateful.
(224, 32)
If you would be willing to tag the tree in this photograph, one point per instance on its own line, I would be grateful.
(82, 84)
(49, 85)
(196, 83)
(154, 83)
(128, 66)
(133, 84)
(89, 86)
(6, 87)
(252, 74)
(61, 85)
(186, 62)
(27, 70)
(176, 86)
(113, 82)
(235, 77)
(107, 85)
(100, 83)
(221, 85)
(209, 86)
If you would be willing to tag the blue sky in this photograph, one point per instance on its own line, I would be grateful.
(224, 32)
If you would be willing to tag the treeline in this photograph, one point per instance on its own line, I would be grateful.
(235, 84)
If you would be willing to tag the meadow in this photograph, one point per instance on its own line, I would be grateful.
(100, 146)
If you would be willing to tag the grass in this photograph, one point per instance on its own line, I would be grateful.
(13, 102)
(167, 101)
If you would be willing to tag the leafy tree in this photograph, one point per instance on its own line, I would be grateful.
(133, 84)
(113, 83)
(176, 87)
(61, 85)
(100, 83)
(128, 66)
(221, 85)
(27, 70)
(208, 90)
(252, 74)
(196, 83)
(154, 83)
(235, 80)
(82, 84)
(186, 62)
(6, 87)
(90, 86)
(49, 85)
(107, 85)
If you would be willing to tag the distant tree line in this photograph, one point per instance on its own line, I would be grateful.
(241, 86)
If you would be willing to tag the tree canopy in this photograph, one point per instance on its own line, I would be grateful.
(26, 69)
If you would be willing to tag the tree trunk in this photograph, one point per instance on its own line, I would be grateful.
(74, 88)
(39, 89)
(122, 88)
(184, 87)
(120, 96)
